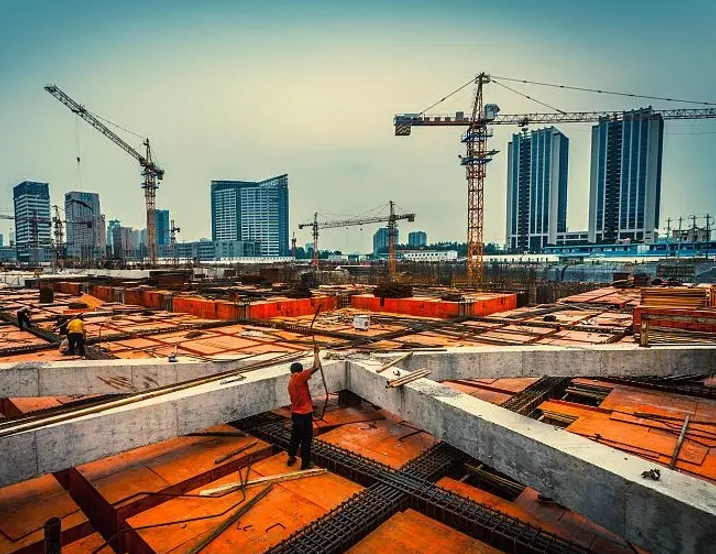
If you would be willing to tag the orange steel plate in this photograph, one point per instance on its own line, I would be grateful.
(293, 504)
(411, 532)
(379, 441)
(26, 506)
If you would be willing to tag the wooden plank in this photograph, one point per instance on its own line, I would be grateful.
(264, 480)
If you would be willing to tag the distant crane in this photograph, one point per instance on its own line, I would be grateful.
(478, 156)
(151, 172)
(56, 221)
(293, 246)
(173, 230)
(391, 219)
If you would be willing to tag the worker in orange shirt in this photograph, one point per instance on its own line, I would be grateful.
(301, 412)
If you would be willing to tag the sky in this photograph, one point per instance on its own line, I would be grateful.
(249, 90)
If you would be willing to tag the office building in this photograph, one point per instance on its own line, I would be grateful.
(625, 180)
(536, 189)
(32, 222)
(162, 229)
(110, 235)
(381, 241)
(429, 255)
(417, 239)
(86, 231)
(252, 211)
(123, 242)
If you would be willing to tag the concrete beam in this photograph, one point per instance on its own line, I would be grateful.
(79, 377)
(675, 514)
(98, 435)
(550, 361)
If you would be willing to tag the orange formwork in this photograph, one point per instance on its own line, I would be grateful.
(411, 532)
(24, 509)
(336, 417)
(646, 424)
(548, 516)
(288, 507)
(116, 488)
(389, 441)
(91, 544)
(477, 305)
(665, 312)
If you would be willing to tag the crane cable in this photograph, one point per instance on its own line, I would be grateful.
(528, 97)
(602, 91)
(77, 152)
(565, 87)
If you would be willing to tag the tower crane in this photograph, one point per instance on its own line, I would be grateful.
(151, 172)
(478, 122)
(173, 230)
(391, 219)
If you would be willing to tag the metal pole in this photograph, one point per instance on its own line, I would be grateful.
(53, 536)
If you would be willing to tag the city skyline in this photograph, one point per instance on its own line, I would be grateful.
(338, 165)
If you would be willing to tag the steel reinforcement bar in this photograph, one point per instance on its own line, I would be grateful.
(389, 491)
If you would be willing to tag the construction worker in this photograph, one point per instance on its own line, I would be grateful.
(23, 317)
(301, 412)
(76, 335)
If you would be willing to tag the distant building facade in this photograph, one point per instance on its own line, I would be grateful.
(625, 180)
(123, 242)
(417, 239)
(32, 222)
(86, 231)
(381, 239)
(110, 236)
(536, 189)
(162, 228)
(252, 211)
(429, 255)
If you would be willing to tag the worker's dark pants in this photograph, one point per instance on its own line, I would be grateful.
(76, 340)
(23, 321)
(301, 434)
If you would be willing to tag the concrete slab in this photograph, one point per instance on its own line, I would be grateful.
(675, 514)
(111, 431)
(553, 361)
(80, 377)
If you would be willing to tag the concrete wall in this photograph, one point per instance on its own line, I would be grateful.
(675, 514)
(100, 434)
(80, 377)
(540, 361)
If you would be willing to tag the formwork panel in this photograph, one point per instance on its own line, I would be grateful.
(111, 489)
(386, 441)
(24, 509)
(288, 507)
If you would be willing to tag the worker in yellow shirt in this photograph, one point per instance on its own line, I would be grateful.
(76, 335)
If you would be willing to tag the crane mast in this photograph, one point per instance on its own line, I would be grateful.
(477, 155)
(151, 172)
(173, 230)
(391, 219)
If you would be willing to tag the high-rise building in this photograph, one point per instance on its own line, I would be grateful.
(252, 211)
(32, 221)
(625, 183)
(86, 231)
(381, 240)
(417, 239)
(536, 189)
(161, 217)
(122, 242)
(113, 223)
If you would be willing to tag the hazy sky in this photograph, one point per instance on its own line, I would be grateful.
(248, 90)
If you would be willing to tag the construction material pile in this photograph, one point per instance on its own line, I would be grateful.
(682, 297)
(393, 290)
(300, 290)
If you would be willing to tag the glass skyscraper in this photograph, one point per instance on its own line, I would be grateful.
(161, 217)
(252, 211)
(32, 221)
(625, 181)
(536, 189)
